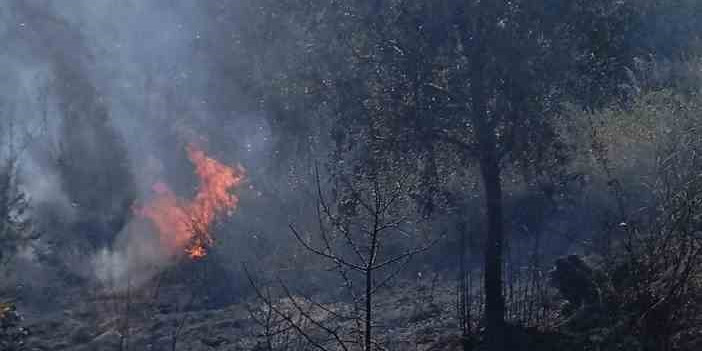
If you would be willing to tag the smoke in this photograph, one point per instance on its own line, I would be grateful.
(112, 91)
(134, 259)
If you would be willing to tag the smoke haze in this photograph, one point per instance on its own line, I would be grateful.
(121, 88)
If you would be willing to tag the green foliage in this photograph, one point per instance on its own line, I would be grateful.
(15, 225)
(647, 278)
(431, 97)
(12, 334)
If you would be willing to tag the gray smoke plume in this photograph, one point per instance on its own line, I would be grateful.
(113, 91)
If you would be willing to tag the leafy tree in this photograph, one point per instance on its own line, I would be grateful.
(440, 81)
(92, 160)
(15, 225)
(16, 229)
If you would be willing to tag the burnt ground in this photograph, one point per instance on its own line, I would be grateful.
(413, 315)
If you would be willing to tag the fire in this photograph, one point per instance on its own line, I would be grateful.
(183, 224)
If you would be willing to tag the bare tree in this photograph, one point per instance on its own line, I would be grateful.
(355, 236)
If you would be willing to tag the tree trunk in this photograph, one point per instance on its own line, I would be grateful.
(369, 296)
(494, 300)
(485, 134)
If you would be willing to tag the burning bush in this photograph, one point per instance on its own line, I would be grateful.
(183, 224)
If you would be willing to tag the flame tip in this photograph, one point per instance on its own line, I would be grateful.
(174, 218)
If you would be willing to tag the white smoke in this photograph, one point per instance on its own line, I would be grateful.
(136, 257)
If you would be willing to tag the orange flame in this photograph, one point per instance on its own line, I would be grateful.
(183, 224)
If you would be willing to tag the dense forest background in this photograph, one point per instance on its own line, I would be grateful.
(416, 175)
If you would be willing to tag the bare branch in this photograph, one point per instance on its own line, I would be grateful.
(409, 253)
(323, 254)
(320, 325)
(282, 314)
